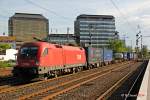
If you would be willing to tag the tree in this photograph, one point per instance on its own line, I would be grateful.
(144, 51)
(3, 47)
(129, 48)
(117, 45)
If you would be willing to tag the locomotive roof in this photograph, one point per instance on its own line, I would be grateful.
(50, 45)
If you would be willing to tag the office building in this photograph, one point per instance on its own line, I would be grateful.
(24, 27)
(94, 30)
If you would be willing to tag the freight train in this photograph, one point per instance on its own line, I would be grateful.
(125, 56)
(44, 59)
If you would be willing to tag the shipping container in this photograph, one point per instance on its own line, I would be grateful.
(125, 55)
(107, 55)
(118, 56)
(130, 55)
(135, 56)
(94, 55)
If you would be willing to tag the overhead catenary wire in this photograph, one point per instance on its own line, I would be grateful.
(123, 15)
(49, 11)
(46, 9)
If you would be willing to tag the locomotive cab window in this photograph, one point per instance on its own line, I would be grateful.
(45, 52)
(29, 52)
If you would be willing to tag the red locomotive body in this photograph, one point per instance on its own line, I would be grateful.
(42, 58)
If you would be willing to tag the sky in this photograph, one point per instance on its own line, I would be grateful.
(130, 15)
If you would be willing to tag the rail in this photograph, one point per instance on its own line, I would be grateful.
(133, 85)
(34, 85)
(70, 85)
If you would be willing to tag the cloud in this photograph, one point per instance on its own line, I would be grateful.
(145, 20)
(135, 12)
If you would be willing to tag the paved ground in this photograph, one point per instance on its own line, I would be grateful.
(148, 92)
(144, 92)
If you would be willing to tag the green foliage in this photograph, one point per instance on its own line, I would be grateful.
(4, 64)
(4, 47)
(144, 51)
(117, 45)
(137, 49)
(129, 49)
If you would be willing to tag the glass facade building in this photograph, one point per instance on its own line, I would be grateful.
(94, 30)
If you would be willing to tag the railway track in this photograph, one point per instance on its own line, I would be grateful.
(25, 91)
(53, 92)
(134, 89)
(116, 85)
(6, 78)
(5, 72)
(122, 91)
(12, 83)
(6, 82)
(94, 89)
(109, 91)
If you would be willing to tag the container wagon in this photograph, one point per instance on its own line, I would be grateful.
(125, 56)
(118, 56)
(130, 55)
(94, 56)
(107, 56)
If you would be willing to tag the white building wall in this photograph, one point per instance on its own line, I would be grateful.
(10, 55)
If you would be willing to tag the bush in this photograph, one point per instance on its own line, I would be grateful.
(4, 64)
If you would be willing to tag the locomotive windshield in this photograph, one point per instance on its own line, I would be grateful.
(29, 52)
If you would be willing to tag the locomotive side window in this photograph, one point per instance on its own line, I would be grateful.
(45, 52)
(29, 52)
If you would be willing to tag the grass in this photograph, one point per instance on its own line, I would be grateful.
(4, 64)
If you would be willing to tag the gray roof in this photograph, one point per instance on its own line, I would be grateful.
(28, 15)
(95, 16)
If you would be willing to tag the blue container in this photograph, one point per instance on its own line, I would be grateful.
(107, 55)
(130, 55)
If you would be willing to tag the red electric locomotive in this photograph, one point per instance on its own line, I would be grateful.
(43, 58)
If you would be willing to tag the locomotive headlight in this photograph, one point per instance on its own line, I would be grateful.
(37, 62)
